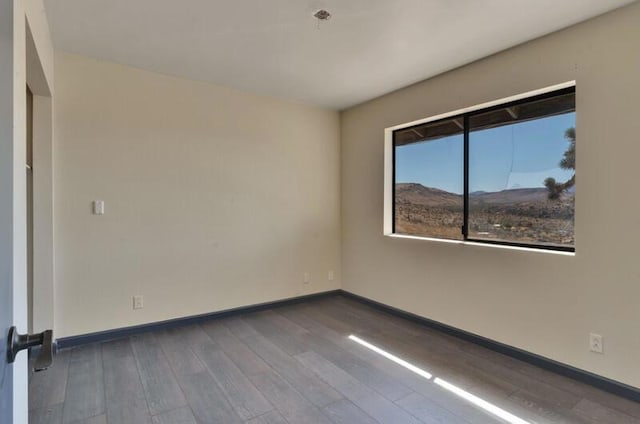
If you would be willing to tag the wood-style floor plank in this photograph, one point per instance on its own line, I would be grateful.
(272, 417)
(304, 380)
(373, 377)
(599, 413)
(291, 404)
(428, 411)
(263, 322)
(99, 419)
(207, 401)
(247, 401)
(345, 412)
(125, 397)
(401, 375)
(180, 356)
(49, 388)
(84, 395)
(46, 415)
(193, 335)
(413, 381)
(240, 354)
(296, 364)
(115, 349)
(160, 386)
(239, 327)
(365, 398)
(181, 415)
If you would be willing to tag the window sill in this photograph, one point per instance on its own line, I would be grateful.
(489, 245)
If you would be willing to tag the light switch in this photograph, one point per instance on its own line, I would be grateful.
(98, 207)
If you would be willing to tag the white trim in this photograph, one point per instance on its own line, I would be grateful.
(480, 244)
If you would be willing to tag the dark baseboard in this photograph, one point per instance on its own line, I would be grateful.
(583, 376)
(101, 336)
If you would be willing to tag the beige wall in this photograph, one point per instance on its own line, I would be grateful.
(540, 302)
(214, 198)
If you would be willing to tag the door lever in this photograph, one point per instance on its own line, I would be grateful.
(18, 342)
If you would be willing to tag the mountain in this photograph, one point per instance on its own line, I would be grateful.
(514, 195)
(418, 194)
(518, 214)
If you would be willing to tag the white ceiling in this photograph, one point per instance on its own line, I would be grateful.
(274, 47)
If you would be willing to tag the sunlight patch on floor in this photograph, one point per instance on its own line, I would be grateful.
(479, 402)
(392, 357)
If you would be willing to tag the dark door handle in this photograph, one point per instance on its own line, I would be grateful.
(18, 342)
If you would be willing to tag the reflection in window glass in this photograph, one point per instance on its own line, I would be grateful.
(522, 175)
(429, 180)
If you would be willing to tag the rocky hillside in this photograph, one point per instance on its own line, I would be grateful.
(521, 214)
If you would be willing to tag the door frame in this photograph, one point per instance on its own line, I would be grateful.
(42, 292)
(26, 55)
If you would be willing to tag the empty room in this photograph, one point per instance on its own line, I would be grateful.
(319, 211)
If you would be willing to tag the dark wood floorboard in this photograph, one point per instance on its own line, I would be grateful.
(160, 385)
(240, 354)
(303, 379)
(84, 394)
(46, 415)
(345, 412)
(207, 401)
(247, 401)
(429, 411)
(99, 419)
(370, 375)
(124, 395)
(296, 365)
(48, 389)
(181, 415)
(367, 399)
(272, 417)
(115, 349)
(287, 400)
(181, 356)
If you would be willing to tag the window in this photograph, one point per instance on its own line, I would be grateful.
(502, 175)
(429, 185)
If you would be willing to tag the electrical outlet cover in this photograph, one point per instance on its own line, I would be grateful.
(137, 302)
(596, 343)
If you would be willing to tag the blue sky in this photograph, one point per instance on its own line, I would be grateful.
(511, 156)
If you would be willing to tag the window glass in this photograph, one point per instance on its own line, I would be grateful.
(521, 174)
(429, 180)
(520, 182)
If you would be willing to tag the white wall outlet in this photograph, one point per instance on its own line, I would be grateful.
(98, 207)
(331, 276)
(595, 343)
(306, 278)
(137, 302)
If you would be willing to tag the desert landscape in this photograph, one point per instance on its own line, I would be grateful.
(522, 215)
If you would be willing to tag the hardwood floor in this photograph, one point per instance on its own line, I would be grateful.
(297, 365)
